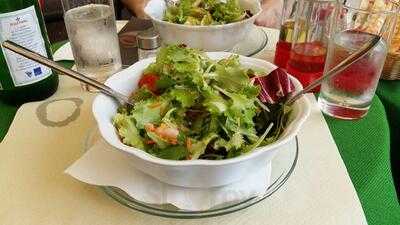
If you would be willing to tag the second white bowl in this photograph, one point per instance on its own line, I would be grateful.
(208, 38)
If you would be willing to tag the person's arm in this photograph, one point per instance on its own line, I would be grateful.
(271, 13)
(136, 7)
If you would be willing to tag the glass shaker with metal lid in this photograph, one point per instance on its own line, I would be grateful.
(149, 42)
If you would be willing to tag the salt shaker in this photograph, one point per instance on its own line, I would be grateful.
(148, 43)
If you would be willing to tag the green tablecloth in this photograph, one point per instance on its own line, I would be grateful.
(364, 146)
(389, 93)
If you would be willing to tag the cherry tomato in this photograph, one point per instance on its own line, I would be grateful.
(149, 81)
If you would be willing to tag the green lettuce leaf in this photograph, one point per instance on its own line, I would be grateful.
(171, 153)
(213, 101)
(228, 12)
(232, 79)
(150, 111)
(198, 147)
(165, 82)
(192, 11)
(141, 94)
(185, 97)
(235, 142)
(127, 131)
(241, 109)
(159, 141)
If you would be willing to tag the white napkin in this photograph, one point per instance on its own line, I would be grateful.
(64, 53)
(105, 166)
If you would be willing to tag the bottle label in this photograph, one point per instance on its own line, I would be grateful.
(22, 27)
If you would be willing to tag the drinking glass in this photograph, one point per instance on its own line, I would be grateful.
(348, 94)
(310, 40)
(284, 43)
(93, 36)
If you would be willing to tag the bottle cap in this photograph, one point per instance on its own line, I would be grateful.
(148, 39)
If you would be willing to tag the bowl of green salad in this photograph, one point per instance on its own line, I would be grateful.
(200, 119)
(210, 25)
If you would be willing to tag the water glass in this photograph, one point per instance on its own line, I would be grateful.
(93, 36)
(348, 95)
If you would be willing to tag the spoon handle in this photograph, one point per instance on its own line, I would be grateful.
(354, 57)
(57, 67)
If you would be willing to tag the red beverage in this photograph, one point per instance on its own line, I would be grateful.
(357, 78)
(357, 81)
(282, 53)
(307, 61)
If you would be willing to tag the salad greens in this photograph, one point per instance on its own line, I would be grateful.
(188, 106)
(206, 12)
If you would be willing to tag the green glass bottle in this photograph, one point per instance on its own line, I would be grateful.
(22, 80)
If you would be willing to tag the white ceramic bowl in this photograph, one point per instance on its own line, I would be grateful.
(208, 38)
(192, 173)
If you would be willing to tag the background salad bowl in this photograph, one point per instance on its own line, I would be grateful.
(208, 38)
(193, 173)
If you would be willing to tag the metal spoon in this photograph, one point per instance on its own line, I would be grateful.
(354, 57)
(122, 99)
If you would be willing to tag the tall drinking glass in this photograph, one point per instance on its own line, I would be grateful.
(93, 35)
(348, 95)
(310, 40)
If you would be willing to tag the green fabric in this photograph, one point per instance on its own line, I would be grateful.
(389, 93)
(364, 146)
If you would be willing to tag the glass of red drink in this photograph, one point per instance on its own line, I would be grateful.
(348, 94)
(310, 40)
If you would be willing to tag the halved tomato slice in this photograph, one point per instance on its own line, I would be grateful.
(149, 81)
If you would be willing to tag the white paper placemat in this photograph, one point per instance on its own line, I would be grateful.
(34, 189)
(64, 53)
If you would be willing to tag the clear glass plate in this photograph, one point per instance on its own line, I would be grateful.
(282, 167)
(254, 43)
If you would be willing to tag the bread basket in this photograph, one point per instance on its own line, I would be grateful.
(391, 69)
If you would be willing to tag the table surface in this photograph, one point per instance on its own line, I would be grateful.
(364, 146)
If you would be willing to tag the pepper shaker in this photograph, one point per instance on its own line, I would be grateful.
(149, 42)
